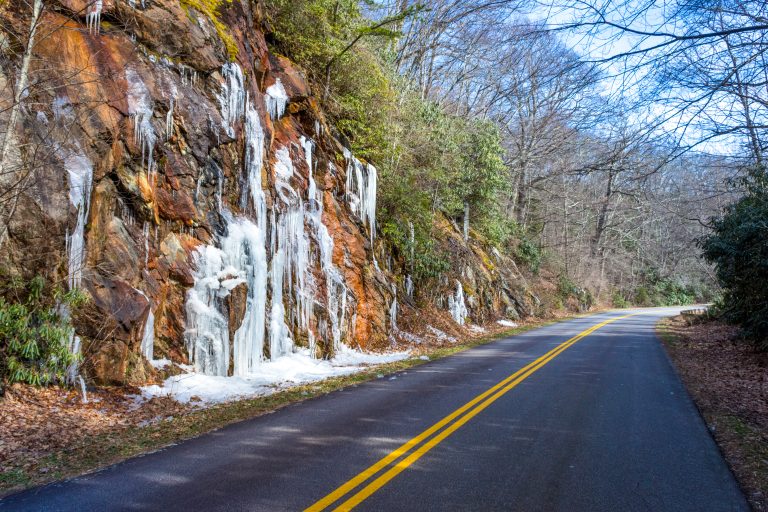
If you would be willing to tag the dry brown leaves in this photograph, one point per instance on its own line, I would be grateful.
(37, 423)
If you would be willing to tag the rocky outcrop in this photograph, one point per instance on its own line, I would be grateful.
(174, 143)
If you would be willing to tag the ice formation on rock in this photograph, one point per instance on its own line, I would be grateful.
(93, 18)
(336, 290)
(233, 97)
(276, 98)
(169, 120)
(240, 260)
(393, 310)
(80, 177)
(148, 338)
(140, 109)
(457, 306)
(361, 187)
(207, 333)
(254, 161)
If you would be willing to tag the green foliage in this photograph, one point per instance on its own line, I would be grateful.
(530, 254)
(317, 35)
(619, 301)
(34, 334)
(566, 289)
(656, 290)
(429, 161)
(422, 258)
(738, 247)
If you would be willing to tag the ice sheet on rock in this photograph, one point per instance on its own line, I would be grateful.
(291, 369)
(336, 290)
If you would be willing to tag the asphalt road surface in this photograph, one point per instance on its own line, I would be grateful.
(568, 417)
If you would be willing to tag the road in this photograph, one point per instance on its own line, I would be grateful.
(582, 415)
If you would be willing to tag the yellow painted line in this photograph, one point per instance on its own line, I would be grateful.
(487, 398)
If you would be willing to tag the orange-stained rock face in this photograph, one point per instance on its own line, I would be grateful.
(151, 79)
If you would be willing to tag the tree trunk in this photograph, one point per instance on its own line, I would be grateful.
(21, 86)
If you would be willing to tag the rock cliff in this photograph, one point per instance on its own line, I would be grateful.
(187, 180)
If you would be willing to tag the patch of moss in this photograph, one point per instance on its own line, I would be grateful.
(210, 9)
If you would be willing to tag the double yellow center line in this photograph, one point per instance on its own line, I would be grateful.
(454, 421)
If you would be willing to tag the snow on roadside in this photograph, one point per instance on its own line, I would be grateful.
(292, 369)
(506, 323)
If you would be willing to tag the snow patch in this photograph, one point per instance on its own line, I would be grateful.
(296, 368)
(506, 323)
(441, 335)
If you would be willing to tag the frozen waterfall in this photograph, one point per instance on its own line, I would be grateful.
(80, 176)
(336, 290)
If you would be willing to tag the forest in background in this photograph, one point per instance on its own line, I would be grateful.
(475, 111)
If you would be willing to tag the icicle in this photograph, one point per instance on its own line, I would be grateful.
(74, 348)
(276, 99)
(82, 389)
(370, 200)
(140, 108)
(457, 306)
(466, 221)
(254, 160)
(409, 286)
(145, 231)
(307, 145)
(80, 176)
(148, 338)
(93, 18)
(393, 309)
(169, 121)
(232, 98)
(361, 185)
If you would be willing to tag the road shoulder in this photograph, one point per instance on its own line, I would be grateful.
(728, 382)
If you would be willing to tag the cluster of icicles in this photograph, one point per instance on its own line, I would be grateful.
(271, 251)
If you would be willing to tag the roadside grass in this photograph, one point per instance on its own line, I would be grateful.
(103, 450)
(743, 442)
